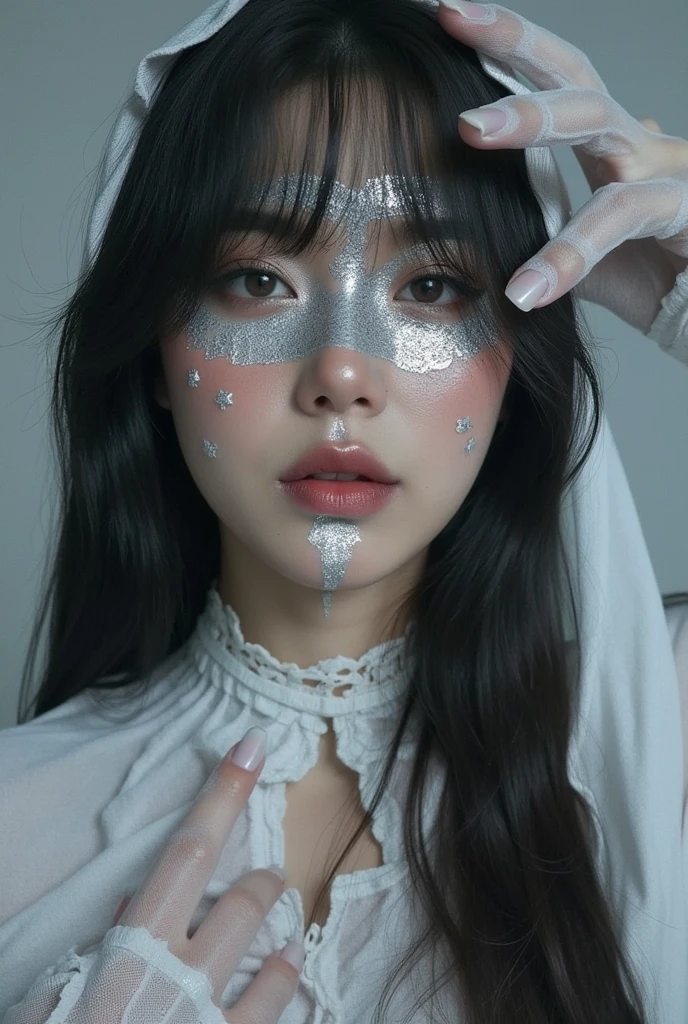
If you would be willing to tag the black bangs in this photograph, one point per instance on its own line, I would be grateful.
(363, 97)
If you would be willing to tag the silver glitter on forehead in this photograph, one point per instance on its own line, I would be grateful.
(334, 538)
(358, 315)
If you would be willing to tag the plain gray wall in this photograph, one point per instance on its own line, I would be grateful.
(65, 69)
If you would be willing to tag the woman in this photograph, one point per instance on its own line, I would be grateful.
(300, 270)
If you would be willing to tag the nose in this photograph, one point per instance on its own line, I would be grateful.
(335, 379)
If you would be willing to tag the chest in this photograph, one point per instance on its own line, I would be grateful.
(322, 813)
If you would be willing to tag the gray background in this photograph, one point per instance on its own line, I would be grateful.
(67, 67)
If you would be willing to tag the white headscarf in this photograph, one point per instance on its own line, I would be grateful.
(626, 753)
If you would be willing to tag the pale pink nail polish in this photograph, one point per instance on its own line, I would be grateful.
(471, 11)
(488, 122)
(249, 753)
(526, 289)
(294, 953)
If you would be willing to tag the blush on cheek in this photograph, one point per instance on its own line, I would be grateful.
(457, 410)
(219, 400)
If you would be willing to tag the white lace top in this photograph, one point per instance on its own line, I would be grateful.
(109, 794)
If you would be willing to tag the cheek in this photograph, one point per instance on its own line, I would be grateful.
(466, 396)
(233, 407)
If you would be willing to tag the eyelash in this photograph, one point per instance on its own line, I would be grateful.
(465, 290)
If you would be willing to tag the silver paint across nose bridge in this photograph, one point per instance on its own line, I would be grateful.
(358, 315)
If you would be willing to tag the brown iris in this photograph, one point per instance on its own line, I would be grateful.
(262, 286)
(425, 289)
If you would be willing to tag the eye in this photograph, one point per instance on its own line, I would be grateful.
(248, 282)
(429, 289)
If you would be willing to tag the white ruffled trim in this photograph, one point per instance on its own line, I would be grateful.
(670, 326)
(378, 666)
(192, 983)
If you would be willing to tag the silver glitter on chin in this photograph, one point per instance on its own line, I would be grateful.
(193, 379)
(334, 538)
(223, 399)
(463, 425)
(210, 449)
(338, 431)
(470, 446)
(358, 315)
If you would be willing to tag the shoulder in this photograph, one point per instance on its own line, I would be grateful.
(57, 774)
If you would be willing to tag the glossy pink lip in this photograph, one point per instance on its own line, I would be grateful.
(350, 498)
(329, 458)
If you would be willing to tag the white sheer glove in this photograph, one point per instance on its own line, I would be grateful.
(147, 970)
(629, 242)
(132, 977)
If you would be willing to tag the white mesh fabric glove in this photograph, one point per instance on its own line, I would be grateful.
(132, 977)
(147, 970)
(629, 242)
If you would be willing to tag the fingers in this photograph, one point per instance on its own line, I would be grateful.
(576, 108)
(594, 122)
(615, 213)
(547, 60)
(268, 995)
(225, 935)
(168, 897)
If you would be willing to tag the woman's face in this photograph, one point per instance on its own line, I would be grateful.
(355, 344)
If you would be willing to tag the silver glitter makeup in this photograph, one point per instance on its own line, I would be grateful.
(338, 431)
(210, 449)
(193, 379)
(223, 399)
(334, 538)
(470, 446)
(358, 315)
(463, 425)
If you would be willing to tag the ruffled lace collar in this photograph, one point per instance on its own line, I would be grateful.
(381, 670)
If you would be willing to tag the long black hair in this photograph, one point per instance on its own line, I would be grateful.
(507, 886)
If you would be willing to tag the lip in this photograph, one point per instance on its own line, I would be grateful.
(349, 458)
(350, 498)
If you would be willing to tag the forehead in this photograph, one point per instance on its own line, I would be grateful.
(369, 134)
(280, 192)
(278, 209)
(377, 198)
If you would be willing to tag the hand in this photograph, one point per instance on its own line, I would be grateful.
(167, 898)
(629, 242)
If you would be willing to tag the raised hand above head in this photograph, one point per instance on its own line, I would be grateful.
(626, 245)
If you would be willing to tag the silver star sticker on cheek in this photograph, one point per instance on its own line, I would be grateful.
(210, 449)
(224, 399)
(194, 377)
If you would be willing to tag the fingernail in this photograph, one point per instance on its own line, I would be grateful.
(250, 751)
(294, 953)
(473, 12)
(526, 289)
(278, 871)
(487, 121)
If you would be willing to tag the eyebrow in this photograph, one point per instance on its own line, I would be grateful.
(270, 222)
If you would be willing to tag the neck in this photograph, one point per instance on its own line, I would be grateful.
(287, 618)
